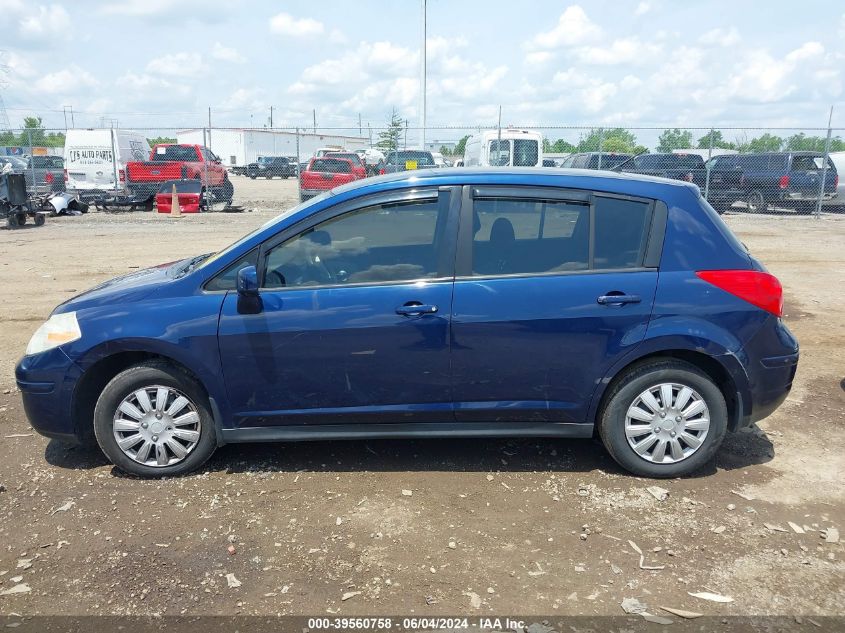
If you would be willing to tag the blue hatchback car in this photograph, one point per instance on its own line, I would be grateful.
(451, 303)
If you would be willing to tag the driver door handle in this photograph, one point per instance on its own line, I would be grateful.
(415, 308)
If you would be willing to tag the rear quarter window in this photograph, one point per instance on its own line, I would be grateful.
(621, 232)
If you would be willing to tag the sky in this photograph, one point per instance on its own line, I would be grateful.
(664, 63)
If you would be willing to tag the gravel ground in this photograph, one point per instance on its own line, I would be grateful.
(424, 527)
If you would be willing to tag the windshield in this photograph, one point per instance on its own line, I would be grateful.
(331, 165)
(351, 156)
(500, 153)
(422, 158)
(525, 152)
(17, 163)
(265, 160)
(669, 161)
(182, 153)
(608, 161)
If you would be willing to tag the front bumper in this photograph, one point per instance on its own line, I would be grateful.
(47, 382)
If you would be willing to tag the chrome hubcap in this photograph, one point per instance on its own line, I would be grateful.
(667, 423)
(156, 426)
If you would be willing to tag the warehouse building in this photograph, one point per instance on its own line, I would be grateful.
(241, 146)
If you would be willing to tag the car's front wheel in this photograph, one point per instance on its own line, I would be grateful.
(153, 420)
(663, 419)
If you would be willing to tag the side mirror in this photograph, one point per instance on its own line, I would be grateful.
(248, 281)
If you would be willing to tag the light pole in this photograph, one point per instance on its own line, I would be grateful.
(423, 54)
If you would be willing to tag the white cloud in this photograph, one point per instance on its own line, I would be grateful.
(573, 27)
(47, 21)
(721, 37)
(178, 65)
(200, 10)
(336, 36)
(536, 58)
(286, 24)
(226, 54)
(627, 51)
(66, 81)
(806, 51)
(33, 23)
(642, 8)
(245, 99)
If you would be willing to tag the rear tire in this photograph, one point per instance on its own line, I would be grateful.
(755, 202)
(689, 435)
(111, 421)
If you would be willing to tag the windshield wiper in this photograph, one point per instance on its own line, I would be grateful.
(189, 264)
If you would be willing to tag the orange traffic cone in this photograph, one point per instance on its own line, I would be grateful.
(175, 209)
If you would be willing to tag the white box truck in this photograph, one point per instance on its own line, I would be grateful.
(95, 159)
(508, 147)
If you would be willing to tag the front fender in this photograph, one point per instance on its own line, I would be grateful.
(182, 329)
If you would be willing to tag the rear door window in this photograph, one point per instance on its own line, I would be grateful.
(527, 236)
(808, 163)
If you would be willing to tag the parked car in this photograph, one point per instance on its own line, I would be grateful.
(492, 302)
(789, 180)
(595, 160)
(407, 159)
(688, 167)
(324, 174)
(95, 159)
(358, 167)
(508, 147)
(837, 203)
(47, 172)
(271, 166)
(170, 161)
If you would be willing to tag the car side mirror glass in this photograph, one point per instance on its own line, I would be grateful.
(247, 283)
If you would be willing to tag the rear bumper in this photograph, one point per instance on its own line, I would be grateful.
(770, 373)
(47, 382)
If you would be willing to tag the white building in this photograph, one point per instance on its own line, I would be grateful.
(241, 146)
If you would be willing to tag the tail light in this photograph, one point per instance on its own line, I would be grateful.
(48, 178)
(121, 174)
(836, 181)
(66, 176)
(757, 288)
(784, 182)
(381, 172)
(742, 180)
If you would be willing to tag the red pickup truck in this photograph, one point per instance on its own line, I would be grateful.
(174, 162)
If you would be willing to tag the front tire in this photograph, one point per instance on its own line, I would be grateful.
(663, 419)
(153, 420)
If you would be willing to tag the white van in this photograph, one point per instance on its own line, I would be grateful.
(506, 148)
(837, 203)
(95, 159)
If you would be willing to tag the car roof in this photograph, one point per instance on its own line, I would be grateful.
(519, 176)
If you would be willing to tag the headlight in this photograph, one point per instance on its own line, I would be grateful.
(57, 330)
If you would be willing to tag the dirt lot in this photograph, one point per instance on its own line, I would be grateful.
(534, 526)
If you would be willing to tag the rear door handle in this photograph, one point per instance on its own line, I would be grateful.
(617, 299)
(414, 308)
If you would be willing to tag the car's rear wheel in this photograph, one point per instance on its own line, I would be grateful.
(663, 419)
(153, 420)
(755, 202)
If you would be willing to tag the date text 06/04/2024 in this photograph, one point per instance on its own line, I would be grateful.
(414, 623)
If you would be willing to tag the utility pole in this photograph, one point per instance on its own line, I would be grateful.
(314, 113)
(209, 127)
(64, 111)
(72, 124)
(423, 55)
(826, 159)
(271, 117)
(359, 124)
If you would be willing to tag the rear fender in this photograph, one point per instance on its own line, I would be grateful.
(674, 339)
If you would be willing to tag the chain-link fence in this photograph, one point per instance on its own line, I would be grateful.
(781, 171)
